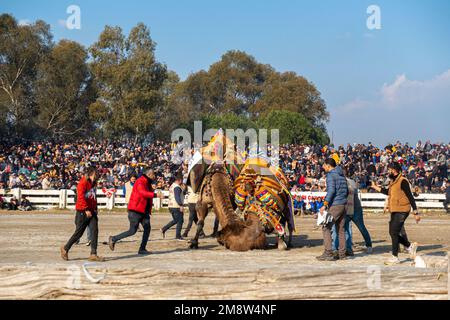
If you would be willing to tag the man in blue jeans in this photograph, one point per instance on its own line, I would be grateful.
(354, 213)
(335, 203)
(176, 202)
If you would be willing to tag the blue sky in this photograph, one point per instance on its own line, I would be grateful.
(379, 85)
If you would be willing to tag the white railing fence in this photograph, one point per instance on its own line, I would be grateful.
(65, 199)
(374, 201)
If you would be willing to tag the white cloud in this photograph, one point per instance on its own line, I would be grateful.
(406, 93)
(404, 109)
(24, 22)
(427, 93)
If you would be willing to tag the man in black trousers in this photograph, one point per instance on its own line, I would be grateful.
(86, 215)
(139, 211)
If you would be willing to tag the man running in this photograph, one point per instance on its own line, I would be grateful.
(139, 211)
(86, 215)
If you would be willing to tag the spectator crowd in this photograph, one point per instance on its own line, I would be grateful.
(48, 165)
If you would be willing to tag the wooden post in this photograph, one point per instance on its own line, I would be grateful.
(157, 203)
(110, 202)
(16, 192)
(63, 199)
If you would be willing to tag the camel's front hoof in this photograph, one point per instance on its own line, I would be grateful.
(282, 245)
(193, 245)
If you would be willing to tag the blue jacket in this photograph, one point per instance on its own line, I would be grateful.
(337, 189)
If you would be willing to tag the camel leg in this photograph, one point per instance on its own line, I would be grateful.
(281, 243)
(289, 243)
(202, 212)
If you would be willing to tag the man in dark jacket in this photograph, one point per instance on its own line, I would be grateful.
(446, 189)
(176, 208)
(86, 214)
(335, 202)
(139, 211)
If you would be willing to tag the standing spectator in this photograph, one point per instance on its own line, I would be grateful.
(354, 213)
(335, 201)
(400, 202)
(192, 200)
(446, 189)
(176, 202)
(128, 188)
(86, 215)
(45, 182)
(215, 232)
(139, 211)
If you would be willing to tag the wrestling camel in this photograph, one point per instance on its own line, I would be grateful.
(216, 192)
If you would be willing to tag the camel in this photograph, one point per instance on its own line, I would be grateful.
(261, 193)
(216, 191)
(214, 179)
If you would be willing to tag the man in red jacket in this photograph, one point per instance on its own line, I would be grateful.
(86, 215)
(139, 210)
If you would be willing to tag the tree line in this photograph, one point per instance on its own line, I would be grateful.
(117, 88)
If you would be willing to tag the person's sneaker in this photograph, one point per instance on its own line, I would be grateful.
(349, 253)
(64, 254)
(181, 239)
(163, 233)
(213, 235)
(88, 243)
(369, 250)
(412, 250)
(392, 261)
(326, 257)
(96, 258)
(111, 243)
(343, 257)
(144, 252)
(202, 235)
(185, 235)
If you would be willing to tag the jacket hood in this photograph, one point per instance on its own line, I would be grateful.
(338, 171)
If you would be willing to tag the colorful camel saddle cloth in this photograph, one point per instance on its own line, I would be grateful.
(264, 189)
(221, 150)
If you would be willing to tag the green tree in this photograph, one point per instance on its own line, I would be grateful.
(240, 85)
(233, 84)
(64, 91)
(129, 81)
(169, 116)
(227, 121)
(22, 48)
(290, 92)
(293, 127)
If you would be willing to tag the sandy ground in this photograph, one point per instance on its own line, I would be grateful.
(30, 266)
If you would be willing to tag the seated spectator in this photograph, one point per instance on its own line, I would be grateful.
(13, 204)
(3, 203)
(25, 204)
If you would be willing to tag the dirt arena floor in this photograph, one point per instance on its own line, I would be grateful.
(31, 268)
